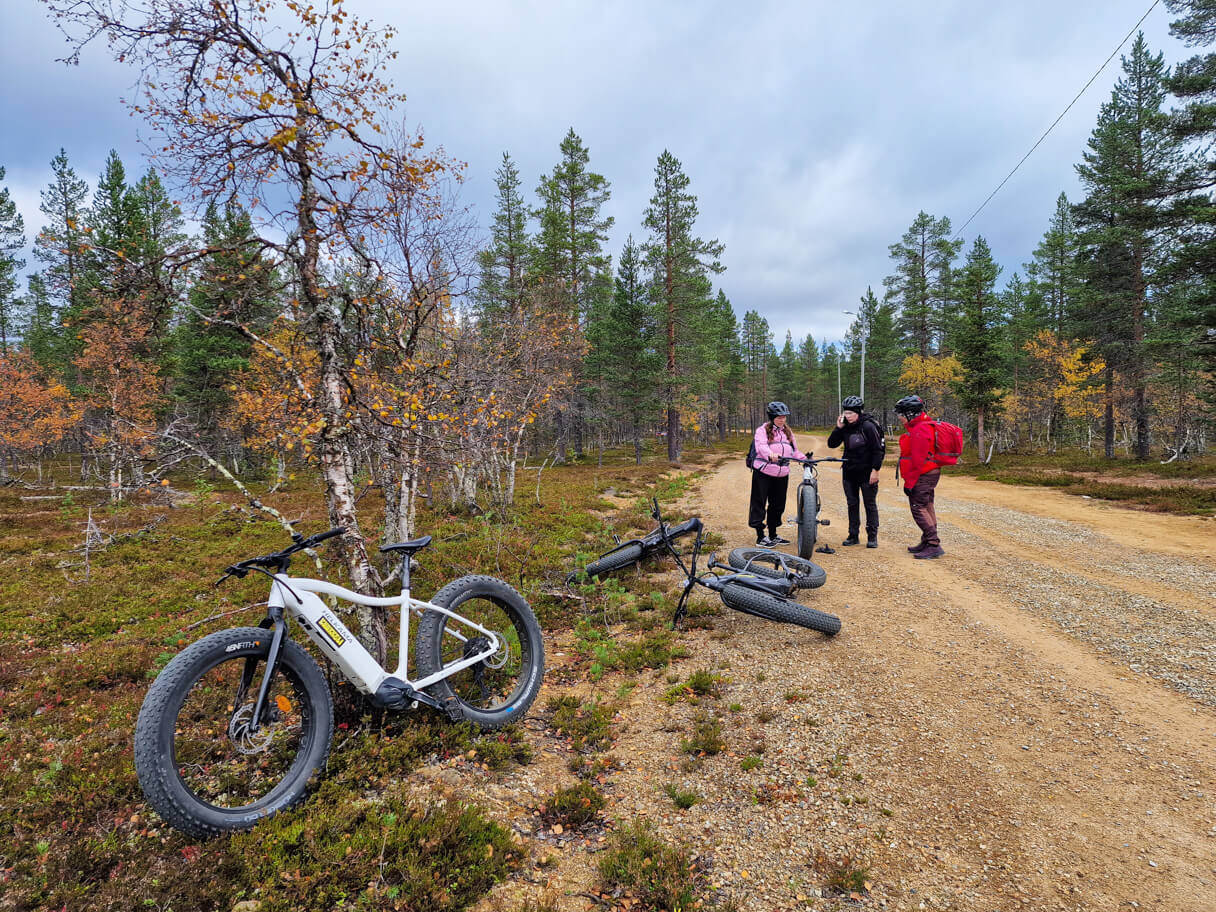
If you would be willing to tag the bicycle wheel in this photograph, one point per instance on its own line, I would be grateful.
(787, 611)
(199, 765)
(808, 518)
(496, 690)
(764, 562)
(614, 560)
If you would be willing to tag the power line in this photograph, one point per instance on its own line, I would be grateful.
(1058, 119)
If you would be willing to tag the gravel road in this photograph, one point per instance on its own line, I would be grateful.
(1026, 723)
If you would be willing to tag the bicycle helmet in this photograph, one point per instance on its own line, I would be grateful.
(776, 409)
(853, 404)
(910, 406)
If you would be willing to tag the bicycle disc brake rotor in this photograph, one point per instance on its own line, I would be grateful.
(245, 740)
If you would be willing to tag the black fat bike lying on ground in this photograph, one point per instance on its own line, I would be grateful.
(627, 553)
(763, 588)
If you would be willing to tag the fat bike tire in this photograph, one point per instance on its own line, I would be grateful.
(808, 520)
(785, 611)
(765, 562)
(199, 765)
(614, 560)
(498, 690)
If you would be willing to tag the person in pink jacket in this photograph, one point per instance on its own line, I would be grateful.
(774, 443)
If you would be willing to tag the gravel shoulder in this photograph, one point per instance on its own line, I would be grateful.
(1027, 723)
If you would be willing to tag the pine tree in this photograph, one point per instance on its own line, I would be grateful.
(61, 246)
(570, 242)
(1130, 176)
(920, 285)
(976, 337)
(680, 265)
(12, 238)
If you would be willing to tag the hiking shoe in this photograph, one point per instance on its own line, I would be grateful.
(930, 552)
(778, 540)
(918, 547)
(872, 541)
(851, 540)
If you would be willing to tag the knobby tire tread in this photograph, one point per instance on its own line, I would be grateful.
(785, 611)
(810, 574)
(614, 560)
(154, 763)
(808, 520)
(429, 648)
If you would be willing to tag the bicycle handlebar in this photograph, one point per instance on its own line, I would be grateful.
(279, 559)
(814, 461)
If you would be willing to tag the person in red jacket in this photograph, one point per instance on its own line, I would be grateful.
(920, 473)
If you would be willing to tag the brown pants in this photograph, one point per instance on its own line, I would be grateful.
(920, 499)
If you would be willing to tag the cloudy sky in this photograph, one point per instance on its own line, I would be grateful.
(813, 133)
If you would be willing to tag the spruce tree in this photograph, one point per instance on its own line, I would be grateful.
(1053, 271)
(976, 337)
(569, 251)
(233, 285)
(623, 364)
(12, 239)
(884, 356)
(505, 263)
(679, 264)
(1193, 82)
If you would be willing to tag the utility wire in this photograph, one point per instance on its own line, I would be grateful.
(1058, 119)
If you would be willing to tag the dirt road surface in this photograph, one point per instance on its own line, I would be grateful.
(1026, 723)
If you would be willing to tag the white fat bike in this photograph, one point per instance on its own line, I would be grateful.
(236, 725)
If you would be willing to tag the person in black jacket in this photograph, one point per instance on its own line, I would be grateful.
(864, 449)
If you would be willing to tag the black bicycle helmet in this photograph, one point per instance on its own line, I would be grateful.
(775, 409)
(910, 406)
(853, 404)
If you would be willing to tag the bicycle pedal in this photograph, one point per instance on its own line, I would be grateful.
(825, 522)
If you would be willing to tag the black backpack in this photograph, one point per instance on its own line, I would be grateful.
(751, 456)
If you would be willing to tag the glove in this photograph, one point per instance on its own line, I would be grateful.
(908, 492)
(783, 461)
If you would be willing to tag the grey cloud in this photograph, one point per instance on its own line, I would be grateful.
(812, 133)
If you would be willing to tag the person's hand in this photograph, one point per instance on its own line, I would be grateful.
(908, 492)
(874, 476)
(840, 420)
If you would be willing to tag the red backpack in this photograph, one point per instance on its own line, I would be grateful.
(947, 443)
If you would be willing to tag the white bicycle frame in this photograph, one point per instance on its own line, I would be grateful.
(299, 597)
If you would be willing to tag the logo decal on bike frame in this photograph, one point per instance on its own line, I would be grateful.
(331, 631)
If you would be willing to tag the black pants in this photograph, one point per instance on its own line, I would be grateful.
(767, 502)
(856, 490)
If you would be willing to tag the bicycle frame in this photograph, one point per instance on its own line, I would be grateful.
(299, 596)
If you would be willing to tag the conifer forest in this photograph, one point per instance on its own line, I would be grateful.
(334, 308)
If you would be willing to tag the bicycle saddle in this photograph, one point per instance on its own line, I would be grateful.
(409, 547)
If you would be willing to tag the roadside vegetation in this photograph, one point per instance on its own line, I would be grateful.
(96, 597)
